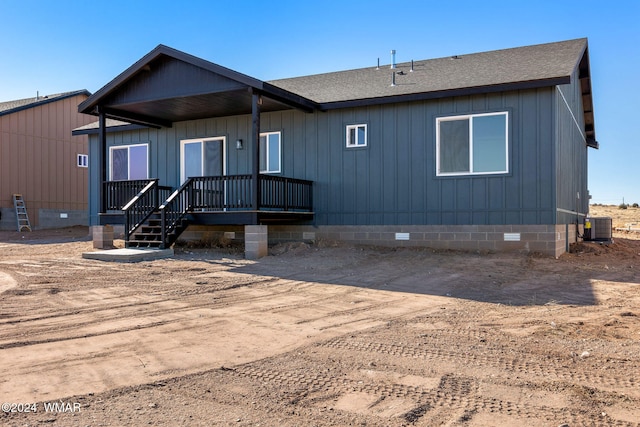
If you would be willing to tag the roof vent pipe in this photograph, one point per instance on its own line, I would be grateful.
(393, 58)
(411, 70)
(378, 67)
(393, 79)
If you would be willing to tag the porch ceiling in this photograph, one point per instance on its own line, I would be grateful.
(167, 86)
(166, 111)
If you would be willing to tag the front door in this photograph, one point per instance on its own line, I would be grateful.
(204, 158)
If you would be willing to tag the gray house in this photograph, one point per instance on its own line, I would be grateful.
(485, 151)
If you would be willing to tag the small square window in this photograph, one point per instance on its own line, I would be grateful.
(356, 136)
(83, 161)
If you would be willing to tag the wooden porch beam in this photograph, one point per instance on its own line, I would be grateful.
(102, 154)
(256, 102)
(139, 119)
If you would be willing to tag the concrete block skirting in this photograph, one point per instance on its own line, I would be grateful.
(549, 240)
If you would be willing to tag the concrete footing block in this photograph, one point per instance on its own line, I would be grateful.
(256, 241)
(102, 236)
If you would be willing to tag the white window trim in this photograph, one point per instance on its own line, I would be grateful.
(119, 147)
(83, 161)
(470, 117)
(351, 144)
(266, 135)
(183, 142)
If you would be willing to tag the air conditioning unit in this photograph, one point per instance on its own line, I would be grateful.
(601, 229)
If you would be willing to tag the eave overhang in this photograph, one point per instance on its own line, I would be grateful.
(584, 76)
(466, 91)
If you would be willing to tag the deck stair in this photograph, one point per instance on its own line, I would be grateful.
(22, 217)
(149, 233)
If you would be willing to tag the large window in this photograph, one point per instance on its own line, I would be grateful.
(356, 136)
(270, 152)
(202, 157)
(472, 144)
(129, 162)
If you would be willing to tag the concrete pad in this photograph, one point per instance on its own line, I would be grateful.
(129, 254)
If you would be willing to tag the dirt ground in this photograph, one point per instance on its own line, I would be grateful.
(318, 335)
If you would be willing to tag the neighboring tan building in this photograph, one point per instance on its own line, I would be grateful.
(42, 161)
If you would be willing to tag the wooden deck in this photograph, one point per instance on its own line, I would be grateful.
(163, 214)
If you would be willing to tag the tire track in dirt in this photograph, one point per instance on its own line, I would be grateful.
(454, 398)
(60, 326)
(454, 394)
(552, 370)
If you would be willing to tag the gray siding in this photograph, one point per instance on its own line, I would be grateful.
(393, 180)
(571, 152)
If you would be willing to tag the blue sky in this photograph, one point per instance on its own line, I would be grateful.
(64, 45)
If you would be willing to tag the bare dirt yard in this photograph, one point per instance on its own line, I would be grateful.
(319, 335)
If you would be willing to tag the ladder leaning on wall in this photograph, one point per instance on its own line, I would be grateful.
(21, 213)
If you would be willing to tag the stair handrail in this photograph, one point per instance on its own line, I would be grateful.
(170, 216)
(140, 208)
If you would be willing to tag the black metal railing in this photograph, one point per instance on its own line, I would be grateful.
(173, 210)
(143, 205)
(232, 192)
(215, 193)
(285, 194)
(117, 194)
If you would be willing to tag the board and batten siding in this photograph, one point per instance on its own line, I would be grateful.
(571, 153)
(38, 159)
(391, 181)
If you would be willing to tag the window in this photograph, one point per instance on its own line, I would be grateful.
(472, 144)
(202, 157)
(83, 161)
(129, 162)
(270, 152)
(356, 136)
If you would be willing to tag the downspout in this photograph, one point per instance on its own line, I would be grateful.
(102, 152)
(256, 101)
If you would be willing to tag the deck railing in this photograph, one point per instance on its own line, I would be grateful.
(118, 193)
(215, 193)
(173, 211)
(286, 194)
(139, 199)
(230, 193)
(143, 205)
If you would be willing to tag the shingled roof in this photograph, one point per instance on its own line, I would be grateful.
(9, 107)
(522, 67)
(527, 67)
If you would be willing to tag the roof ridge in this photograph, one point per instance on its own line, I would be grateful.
(423, 60)
(7, 107)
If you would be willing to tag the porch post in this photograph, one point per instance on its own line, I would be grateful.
(102, 152)
(256, 101)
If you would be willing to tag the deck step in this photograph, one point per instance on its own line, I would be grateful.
(143, 244)
(147, 235)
